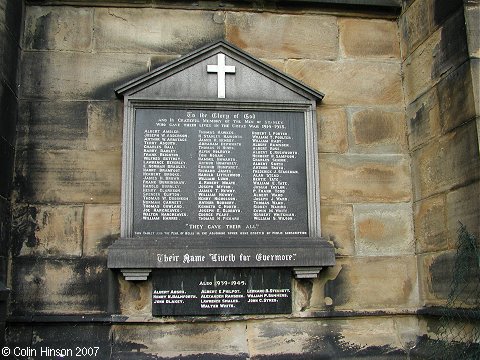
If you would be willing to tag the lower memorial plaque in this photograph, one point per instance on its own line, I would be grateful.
(221, 291)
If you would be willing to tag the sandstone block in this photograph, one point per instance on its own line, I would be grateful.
(48, 230)
(337, 226)
(159, 60)
(369, 38)
(430, 226)
(443, 51)
(456, 98)
(418, 68)
(101, 228)
(378, 131)
(105, 124)
(134, 297)
(268, 35)
(147, 30)
(383, 229)
(364, 178)
(69, 176)
(446, 163)
(374, 283)
(436, 273)
(351, 82)
(415, 25)
(74, 125)
(472, 17)
(44, 286)
(80, 338)
(319, 339)
(58, 28)
(332, 130)
(423, 119)
(463, 206)
(77, 76)
(181, 340)
(52, 125)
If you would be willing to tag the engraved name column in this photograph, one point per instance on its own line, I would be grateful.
(218, 173)
(163, 174)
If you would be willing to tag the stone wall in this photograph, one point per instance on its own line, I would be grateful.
(442, 107)
(68, 162)
(10, 27)
(440, 54)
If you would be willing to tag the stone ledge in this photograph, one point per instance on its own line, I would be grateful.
(134, 320)
(203, 252)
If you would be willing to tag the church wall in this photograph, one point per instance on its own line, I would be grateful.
(10, 12)
(441, 116)
(375, 164)
(440, 63)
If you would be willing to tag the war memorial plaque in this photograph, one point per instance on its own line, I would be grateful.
(222, 291)
(219, 173)
(220, 197)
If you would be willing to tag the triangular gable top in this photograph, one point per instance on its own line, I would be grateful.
(187, 79)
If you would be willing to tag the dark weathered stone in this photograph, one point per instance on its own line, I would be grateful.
(59, 286)
(67, 75)
(9, 54)
(415, 25)
(8, 113)
(452, 49)
(13, 13)
(39, 228)
(68, 176)
(4, 226)
(58, 28)
(423, 119)
(52, 125)
(443, 9)
(19, 335)
(284, 340)
(6, 165)
(456, 98)
(56, 340)
(451, 161)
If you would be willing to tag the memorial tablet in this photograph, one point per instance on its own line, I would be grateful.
(219, 185)
(221, 292)
(219, 173)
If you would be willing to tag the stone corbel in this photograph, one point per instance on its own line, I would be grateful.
(136, 274)
(306, 272)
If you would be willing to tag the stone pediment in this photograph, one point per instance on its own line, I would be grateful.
(187, 79)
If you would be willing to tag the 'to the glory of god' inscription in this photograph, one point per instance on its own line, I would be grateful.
(219, 173)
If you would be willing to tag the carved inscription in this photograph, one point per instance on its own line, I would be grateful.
(221, 291)
(219, 173)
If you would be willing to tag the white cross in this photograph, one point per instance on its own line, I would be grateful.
(221, 70)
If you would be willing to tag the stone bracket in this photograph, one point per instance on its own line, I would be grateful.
(136, 274)
(306, 272)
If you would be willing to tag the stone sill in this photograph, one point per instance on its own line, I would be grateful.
(438, 311)
(379, 7)
(146, 319)
(473, 314)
